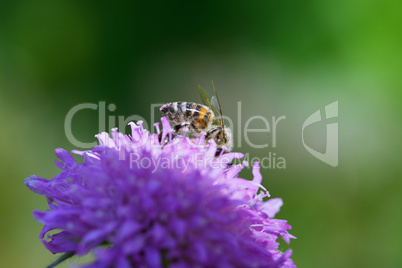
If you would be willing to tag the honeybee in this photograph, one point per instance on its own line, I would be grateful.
(198, 118)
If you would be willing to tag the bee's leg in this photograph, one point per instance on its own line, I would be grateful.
(210, 132)
(166, 140)
(218, 152)
(176, 129)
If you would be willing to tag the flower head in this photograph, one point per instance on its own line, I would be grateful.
(138, 203)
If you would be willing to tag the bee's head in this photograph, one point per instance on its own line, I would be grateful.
(223, 138)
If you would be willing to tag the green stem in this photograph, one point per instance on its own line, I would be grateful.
(62, 258)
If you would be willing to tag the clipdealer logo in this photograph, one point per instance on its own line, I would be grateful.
(331, 149)
(273, 161)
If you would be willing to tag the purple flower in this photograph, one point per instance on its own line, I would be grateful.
(137, 203)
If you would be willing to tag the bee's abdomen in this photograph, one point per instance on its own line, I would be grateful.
(199, 116)
(171, 111)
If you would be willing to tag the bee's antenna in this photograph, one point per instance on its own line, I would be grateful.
(220, 108)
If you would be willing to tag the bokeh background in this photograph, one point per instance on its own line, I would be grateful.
(277, 58)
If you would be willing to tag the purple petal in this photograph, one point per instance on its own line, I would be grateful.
(272, 206)
(66, 158)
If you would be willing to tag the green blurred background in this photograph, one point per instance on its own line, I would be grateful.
(277, 57)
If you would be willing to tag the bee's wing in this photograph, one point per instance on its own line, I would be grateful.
(215, 105)
(206, 99)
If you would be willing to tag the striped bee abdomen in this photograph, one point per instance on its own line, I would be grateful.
(198, 116)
